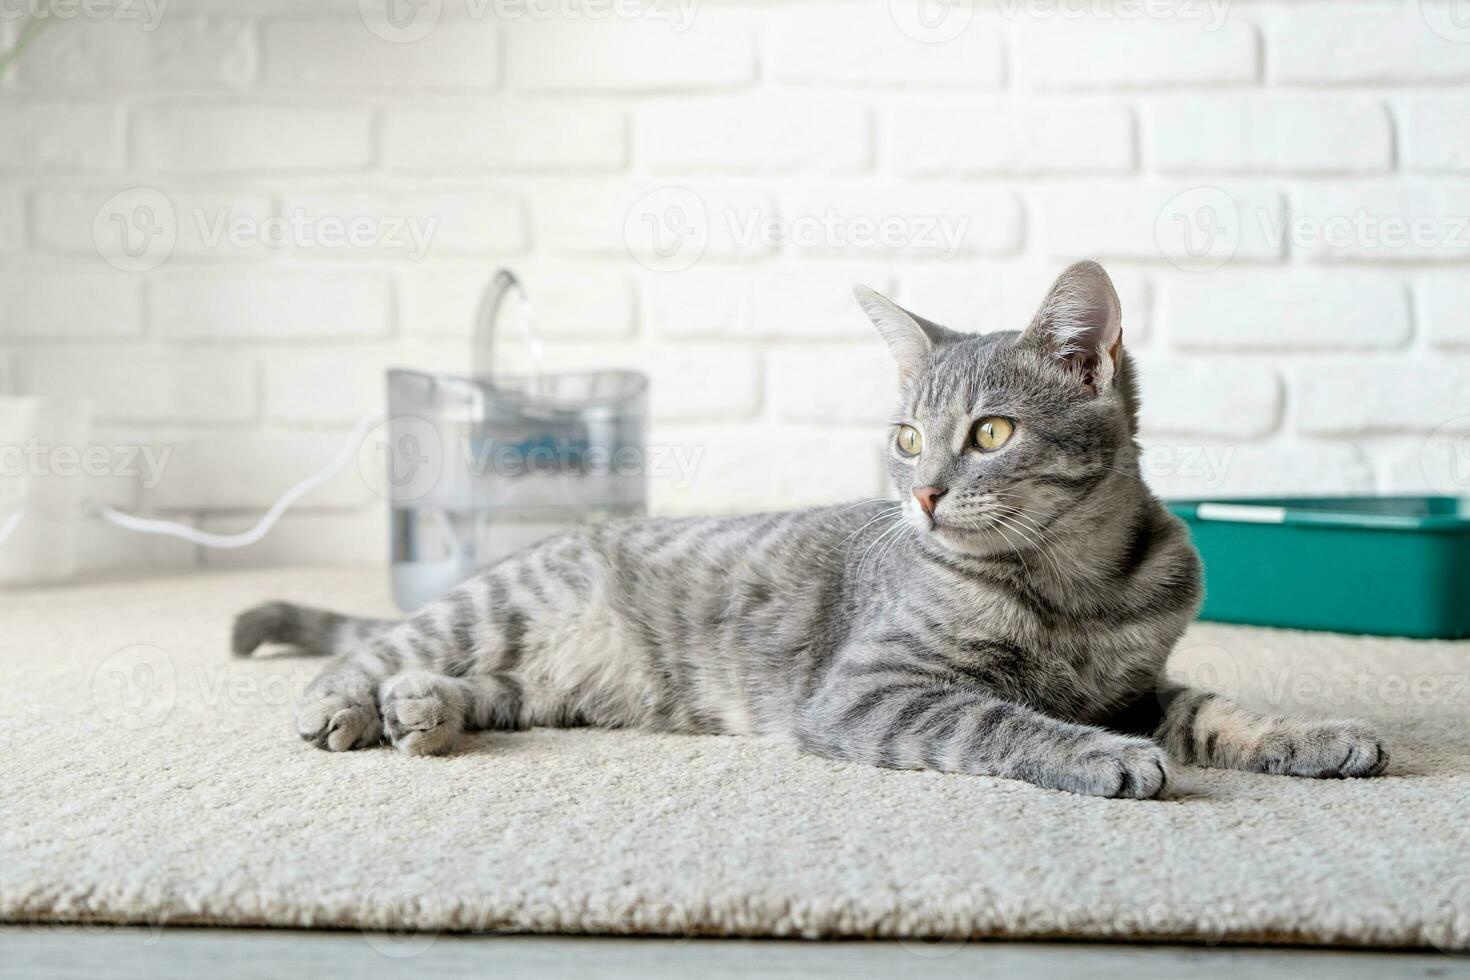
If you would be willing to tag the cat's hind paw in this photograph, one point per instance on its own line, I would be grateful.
(1321, 750)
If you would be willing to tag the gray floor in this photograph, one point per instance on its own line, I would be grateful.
(45, 952)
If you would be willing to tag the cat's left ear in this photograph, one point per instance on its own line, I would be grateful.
(1080, 324)
(910, 337)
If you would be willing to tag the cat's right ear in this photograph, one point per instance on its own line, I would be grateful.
(909, 338)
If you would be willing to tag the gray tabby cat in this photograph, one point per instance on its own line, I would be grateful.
(1008, 615)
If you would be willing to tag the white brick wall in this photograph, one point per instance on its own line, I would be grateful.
(693, 189)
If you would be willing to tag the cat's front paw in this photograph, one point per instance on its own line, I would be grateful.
(338, 722)
(1115, 766)
(423, 714)
(1321, 750)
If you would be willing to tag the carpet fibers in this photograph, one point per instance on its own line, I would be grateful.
(147, 778)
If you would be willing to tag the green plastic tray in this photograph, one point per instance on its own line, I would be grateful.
(1393, 566)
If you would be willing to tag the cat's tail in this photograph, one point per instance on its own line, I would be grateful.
(315, 632)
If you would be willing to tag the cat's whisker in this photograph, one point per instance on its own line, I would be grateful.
(888, 512)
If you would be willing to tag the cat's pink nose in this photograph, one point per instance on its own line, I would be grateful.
(928, 497)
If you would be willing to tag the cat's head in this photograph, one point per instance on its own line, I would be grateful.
(999, 436)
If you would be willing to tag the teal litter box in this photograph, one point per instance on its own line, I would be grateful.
(1393, 566)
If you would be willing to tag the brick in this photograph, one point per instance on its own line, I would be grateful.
(1130, 221)
(331, 387)
(1188, 468)
(224, 470)
(201, 220)
(252, 138)
(1269, 134)
(307, 537)
(1296, 310)
(58, 136)
(865, 45)
(1437, 134)
(533, 135)
(755, 134)
(714, 50)
(1367, 42)
(1381, 221)
(1340, 397)
(135, 386)
(769, 304)
(834, 385)
(271, 305)
(1006, 297)
(1445, 307)
(690, 384)
(964, 137)
(578, 299)
(928, 220)
(1216, 397)
(692, 220)
(179, 50)
(1068, 53)
(1414, 464)
(739, 469)
(459, 53)
(57, 304)
(416, 224)
(12, 220)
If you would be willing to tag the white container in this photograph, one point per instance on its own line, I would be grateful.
(43, 445)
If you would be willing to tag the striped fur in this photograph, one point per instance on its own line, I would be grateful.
(1038, 606)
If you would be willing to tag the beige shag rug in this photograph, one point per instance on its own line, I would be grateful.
(147, 778)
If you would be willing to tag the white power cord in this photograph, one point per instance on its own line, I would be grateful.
(267, 521)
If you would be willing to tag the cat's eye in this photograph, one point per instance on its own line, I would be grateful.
(992, 433)
(910, 443)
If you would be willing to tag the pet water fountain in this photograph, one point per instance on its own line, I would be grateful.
(480, 467)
